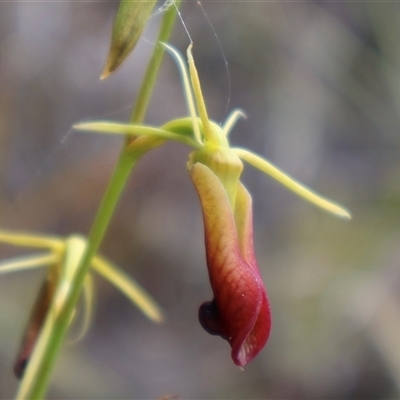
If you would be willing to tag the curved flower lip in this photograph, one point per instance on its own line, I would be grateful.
(240, 311)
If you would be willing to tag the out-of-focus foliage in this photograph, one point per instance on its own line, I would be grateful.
(320, 85)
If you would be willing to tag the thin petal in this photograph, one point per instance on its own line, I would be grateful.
(129, 287)
(231, 121)
(115, 128)
(188, 90)
(28, 262)
(296, 187)
(29, 240)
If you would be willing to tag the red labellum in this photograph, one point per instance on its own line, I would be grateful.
(240, 311)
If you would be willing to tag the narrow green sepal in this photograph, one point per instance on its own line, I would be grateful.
(29, 240)
(170, 131)
(129, 287)
(131, 18)
(28, 262)
(296, 187)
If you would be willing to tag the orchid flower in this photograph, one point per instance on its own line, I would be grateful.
(240, 311)
(62, 256)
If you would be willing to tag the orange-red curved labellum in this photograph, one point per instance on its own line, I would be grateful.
(240, 311)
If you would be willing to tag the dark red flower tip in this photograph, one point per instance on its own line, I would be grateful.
(240, 311)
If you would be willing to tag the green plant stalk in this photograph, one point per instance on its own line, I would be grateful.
(60, 326)
(150, 77)
(116, 185)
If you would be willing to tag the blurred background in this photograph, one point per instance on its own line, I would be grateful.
(320, 84)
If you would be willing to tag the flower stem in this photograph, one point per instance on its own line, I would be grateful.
(61, 323)
(150, 77)
(116, 185)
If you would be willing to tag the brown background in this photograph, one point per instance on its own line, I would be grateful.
(320, 83)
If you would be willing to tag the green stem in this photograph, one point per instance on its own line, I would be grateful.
(60, 326)
(122, 171)
(150, 77)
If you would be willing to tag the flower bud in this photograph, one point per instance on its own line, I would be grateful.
(129, 23)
